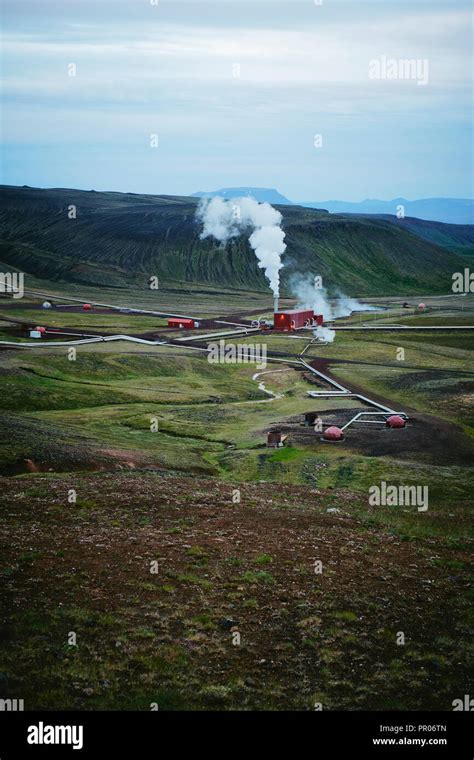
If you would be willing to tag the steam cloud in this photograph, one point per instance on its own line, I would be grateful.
(226, 219)
(324, 333)
(311, 297)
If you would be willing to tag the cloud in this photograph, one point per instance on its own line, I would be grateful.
(303, 69)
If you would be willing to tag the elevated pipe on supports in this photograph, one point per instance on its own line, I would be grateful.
(372, 414)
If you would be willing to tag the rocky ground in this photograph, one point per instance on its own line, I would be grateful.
(197, 594)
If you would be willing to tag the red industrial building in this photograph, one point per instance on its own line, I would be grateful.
(181, 324)
(295, 319)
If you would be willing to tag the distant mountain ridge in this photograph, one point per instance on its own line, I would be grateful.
(261, 194)
(447, 210)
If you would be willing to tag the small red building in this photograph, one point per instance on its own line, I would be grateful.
(292, 320)
(181, 324)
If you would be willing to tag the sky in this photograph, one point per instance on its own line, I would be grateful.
(174, 96)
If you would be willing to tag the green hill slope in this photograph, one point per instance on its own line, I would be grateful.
(121, 239)
(455, 237)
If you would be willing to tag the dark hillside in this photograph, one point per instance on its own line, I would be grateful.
(120, 239)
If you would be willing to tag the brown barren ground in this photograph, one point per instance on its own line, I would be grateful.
(223, 569)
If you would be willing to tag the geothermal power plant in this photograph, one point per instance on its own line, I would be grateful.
(295, 319)
(266, 239)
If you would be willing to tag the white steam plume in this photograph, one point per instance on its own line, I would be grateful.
(324, 333)
(312, 297)
(346, 305)
(226, 219)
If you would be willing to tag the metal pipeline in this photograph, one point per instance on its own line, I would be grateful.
(372, 414)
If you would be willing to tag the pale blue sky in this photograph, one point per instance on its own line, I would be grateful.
(171, 69)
